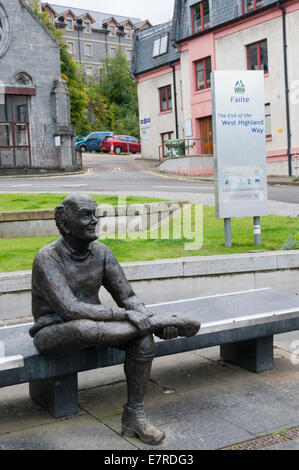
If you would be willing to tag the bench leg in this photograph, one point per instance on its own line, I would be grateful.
(255, 355)
(58, 395)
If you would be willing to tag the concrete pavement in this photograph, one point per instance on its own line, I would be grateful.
(200, 402)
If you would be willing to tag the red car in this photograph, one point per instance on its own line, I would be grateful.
(121, 143)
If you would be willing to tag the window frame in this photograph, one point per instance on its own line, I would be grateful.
(91, 69)
(202, 20)
(88, 24)
(71, 43)
(71, 21)
(14, 123)
(112, 49)
(167, 98)
(129, 52)
(258, 55)
(204, 61)
(160, 42)
(111, 34)
(91, 49)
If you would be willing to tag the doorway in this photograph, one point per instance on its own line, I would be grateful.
(206, 135)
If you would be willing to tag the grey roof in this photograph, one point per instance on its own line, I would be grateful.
(99, 17)
(143, 59)
(221, 11)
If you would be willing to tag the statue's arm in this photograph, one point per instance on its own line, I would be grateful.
(53, 286)
(118, 286)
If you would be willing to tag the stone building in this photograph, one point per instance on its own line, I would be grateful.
(92, 35)
(172, 65)
(35, 126)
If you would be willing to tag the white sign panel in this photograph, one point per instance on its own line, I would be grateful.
(145, 120)
(239, 143)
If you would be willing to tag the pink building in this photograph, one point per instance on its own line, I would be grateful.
(212, 35)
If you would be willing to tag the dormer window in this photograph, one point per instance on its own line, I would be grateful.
(160, 45)
(128, 33)
(87, 26)
(69, 24)
(200, 14)
(111, 30)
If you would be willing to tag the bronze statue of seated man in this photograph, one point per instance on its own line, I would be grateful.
(68, 315)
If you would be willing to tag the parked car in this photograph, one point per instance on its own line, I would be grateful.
(121, 143)
(91, 142)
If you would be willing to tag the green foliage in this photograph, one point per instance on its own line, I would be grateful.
(109, 106)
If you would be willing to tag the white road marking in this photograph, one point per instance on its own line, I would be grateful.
(208, 297)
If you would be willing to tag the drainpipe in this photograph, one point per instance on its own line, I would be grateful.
(286, 79)
(79, 46)
(175, 102)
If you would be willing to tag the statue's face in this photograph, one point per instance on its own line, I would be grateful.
(83, 220)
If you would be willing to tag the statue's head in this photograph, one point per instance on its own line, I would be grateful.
(76, 217)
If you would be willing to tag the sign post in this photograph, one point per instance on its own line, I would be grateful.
(239, 148)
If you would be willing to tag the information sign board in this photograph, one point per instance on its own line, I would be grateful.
(239, 144)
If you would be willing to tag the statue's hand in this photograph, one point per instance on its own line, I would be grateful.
(139, 319)
(168, 333)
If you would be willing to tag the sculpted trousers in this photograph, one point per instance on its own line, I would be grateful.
(65, 339)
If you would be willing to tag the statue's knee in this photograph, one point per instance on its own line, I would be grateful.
(86, 331)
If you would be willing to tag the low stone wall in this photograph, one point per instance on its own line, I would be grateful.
(189, 166)
(171, 280)
(132, 218)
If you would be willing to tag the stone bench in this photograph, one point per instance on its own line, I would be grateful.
(242, 323)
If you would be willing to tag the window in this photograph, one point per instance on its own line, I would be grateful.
(69, 24)
(112, 51)
(129, 54)
(128, 32)
(14, 131)
(160, 45)
(268, 123)
(89, 71)
(111, 30)
(200, 15)
(87, 26)
(88, 49)
(71, 47)
(203, 73)
(249, 5)
(165, 98)
(257, 56)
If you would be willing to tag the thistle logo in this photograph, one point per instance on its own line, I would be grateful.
(239, 87)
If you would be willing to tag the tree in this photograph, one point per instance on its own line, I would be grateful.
(70, 72)
(121, 91)
(111, 105)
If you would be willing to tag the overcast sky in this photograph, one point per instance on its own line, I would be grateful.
(156, 11)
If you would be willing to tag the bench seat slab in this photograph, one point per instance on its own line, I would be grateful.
(255, 355)
(58, 395)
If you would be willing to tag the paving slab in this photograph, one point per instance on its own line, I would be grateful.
(76, 433)
(108, 401)
(18, 411)
(198, 431)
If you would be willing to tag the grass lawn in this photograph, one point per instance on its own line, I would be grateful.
(18, 253)
(28, 202)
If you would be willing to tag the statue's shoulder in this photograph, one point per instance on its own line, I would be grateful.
(99, 248)
(48, 251)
